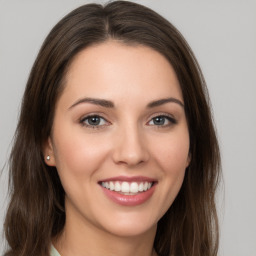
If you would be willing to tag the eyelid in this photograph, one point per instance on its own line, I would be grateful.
(82, 121)
(170, 118)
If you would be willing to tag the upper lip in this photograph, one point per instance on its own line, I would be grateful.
(129, 179)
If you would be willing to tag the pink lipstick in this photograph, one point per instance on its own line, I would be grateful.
(128, 191)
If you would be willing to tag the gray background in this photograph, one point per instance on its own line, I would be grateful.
(222, 34)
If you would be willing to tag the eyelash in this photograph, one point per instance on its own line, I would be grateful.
(83, 122)
(171, 120)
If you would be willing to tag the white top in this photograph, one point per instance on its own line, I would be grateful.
(54, 252)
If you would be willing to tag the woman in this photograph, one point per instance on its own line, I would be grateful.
(115, 150)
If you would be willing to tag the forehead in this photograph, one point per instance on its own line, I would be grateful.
(113, 69)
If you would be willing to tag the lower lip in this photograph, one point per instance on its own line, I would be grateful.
(129, 200)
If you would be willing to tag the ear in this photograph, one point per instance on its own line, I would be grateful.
(48, 152)
(188, 159)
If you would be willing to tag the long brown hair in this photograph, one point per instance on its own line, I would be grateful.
(36, 211)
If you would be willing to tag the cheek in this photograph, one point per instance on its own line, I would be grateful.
(172, 157)
(172, 153)
(78, 155)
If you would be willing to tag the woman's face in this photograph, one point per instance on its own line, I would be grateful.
(120, 139)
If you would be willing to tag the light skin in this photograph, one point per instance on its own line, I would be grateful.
(136, 127)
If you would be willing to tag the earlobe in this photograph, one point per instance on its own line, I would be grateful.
(188, 159)
(48, 152)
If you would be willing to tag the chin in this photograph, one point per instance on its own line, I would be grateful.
(130, 225)
(131, 231)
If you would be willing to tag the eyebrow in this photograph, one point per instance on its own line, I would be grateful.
(99, 102)
(164, 101)
(110, 104)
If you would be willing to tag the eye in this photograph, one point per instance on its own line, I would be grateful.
(93, 121)
(162, 120)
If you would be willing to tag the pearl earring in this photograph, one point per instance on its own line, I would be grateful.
(48, 158)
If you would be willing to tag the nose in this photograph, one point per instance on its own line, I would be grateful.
(130, 147)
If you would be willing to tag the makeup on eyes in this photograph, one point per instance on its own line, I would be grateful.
(94, 121)
(159, 120)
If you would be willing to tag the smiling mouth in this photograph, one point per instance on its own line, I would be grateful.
(127, 188)
(129, 191)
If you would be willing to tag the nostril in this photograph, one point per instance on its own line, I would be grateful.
(130, 157)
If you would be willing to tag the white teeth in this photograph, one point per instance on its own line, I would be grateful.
(111, 185)
(126, 187)
(134, 187)
(141, 187)
(117, 187)
(145, 186)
